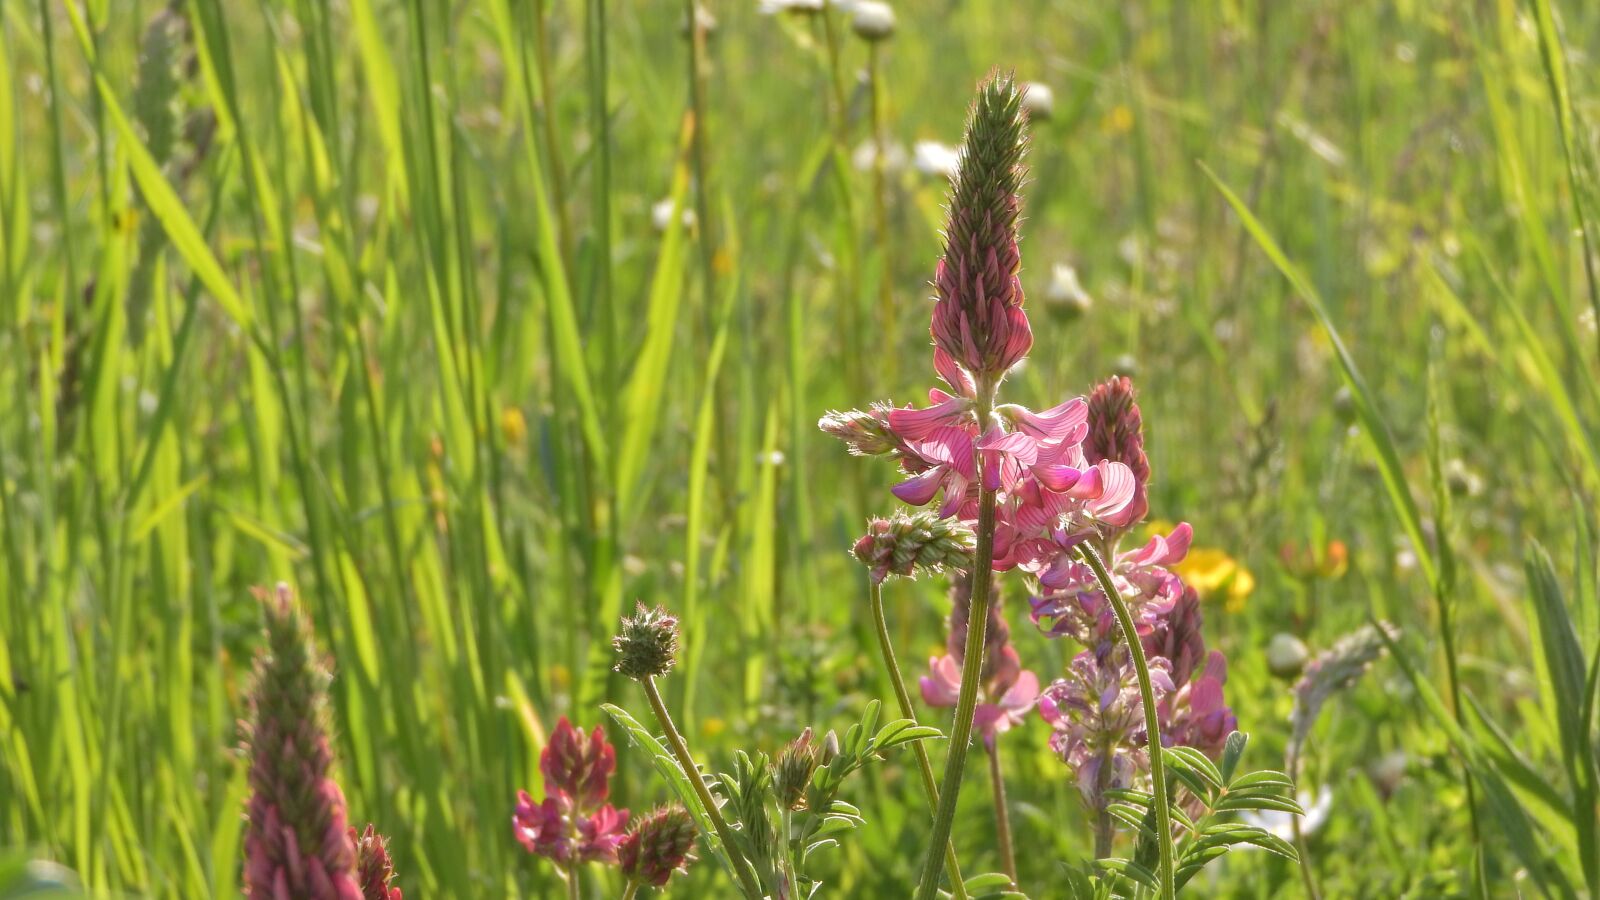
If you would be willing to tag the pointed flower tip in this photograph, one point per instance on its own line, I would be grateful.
(647, 644)
(977, 319)
(375, 870)
(577, 767)
(296, 834)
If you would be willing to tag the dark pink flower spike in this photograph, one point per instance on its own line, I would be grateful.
(1116, 432)
(297, 839)
(977, 314)
(577, 767)
(374, 868)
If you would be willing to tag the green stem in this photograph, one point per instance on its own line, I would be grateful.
(875, 592)
(971, 672)
(630, 890)
(1104, 828)
(572, 883)
(1002, 817)
(741, 868)
(880, 197)
(1305, 859)
(1152, 723)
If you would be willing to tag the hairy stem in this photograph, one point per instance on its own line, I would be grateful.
(971, 672)
(875, 593)
(741, 868)
(1002, 816)
(1152, 723)
(1104, 826)
(629, 892)
(573, 893)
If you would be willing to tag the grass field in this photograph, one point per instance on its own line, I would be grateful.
(477, 322)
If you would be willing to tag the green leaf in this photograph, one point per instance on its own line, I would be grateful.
(1258, 801)
(1394, 475)
(1197, 762)
(1129, 869)
(1232, 752)
(1262, 778)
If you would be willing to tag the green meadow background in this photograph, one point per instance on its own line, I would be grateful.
(373, 297)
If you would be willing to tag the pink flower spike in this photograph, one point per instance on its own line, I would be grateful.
(577, 767)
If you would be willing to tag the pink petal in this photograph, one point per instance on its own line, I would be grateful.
(1023, 694)
(953, 374)
(1056, 477)
(913, 424)
(1112, 504)
(942, 685)
(920, 490)
(1053, 424)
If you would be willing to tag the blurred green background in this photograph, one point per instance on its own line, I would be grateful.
(389, 300)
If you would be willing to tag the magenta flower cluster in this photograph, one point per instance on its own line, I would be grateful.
(1095, 711)
(573, 824)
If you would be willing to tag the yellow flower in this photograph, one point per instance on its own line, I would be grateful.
(1119, 120)
(713, 726)
(513, 426)
(560, 677)
(1213, 573)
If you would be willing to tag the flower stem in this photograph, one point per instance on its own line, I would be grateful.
(741, 868)
(1002, 817)
(875, 592)
(971, 673)
(1104, 831)
(1305, 860)
(573, 893)
(1152, 721)
(629, 892)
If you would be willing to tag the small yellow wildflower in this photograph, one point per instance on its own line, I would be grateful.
(1213, 573)
(1119, 120)
(712, 727)
(513, 427)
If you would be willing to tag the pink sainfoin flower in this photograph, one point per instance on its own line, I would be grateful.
(977, 312)
(1090, 709)
(1098, 720)
(374, 869)
(573, 824)
(297, 841)
(1049, 495)
(1009, 691)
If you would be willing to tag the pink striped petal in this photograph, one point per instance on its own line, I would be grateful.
(952, 373)
(913, 424)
